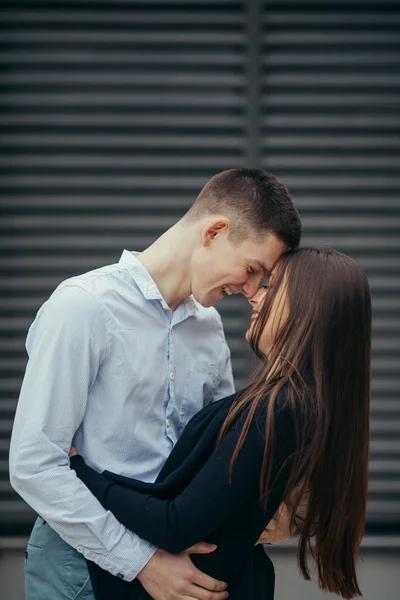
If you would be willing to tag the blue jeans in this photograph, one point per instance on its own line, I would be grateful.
(53, 569)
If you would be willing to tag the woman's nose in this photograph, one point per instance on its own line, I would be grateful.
(254, 300)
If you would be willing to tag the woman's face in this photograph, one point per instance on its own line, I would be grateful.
(277, 318)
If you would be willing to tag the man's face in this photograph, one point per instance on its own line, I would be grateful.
(222, 267)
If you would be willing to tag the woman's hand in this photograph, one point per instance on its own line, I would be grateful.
(278, 529)
(73, 451)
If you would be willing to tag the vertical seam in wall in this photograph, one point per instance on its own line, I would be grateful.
(253, 8)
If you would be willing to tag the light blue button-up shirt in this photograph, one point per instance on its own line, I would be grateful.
(112, 369)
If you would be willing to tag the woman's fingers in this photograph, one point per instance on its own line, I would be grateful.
(73, 451)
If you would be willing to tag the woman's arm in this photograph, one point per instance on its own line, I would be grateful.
(209, 500)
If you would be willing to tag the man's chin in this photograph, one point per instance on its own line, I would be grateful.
(211, 299)
(206, 301)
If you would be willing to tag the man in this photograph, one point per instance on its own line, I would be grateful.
(119, 360)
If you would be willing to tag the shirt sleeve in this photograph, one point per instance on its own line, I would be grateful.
(208, 502)
(67, 345)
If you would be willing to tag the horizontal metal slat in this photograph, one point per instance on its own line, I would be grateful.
(127, 99)
(226, 142)
(282, 158)
(344, 142)
(318, 122)
(370, 182)
(16, 510)
(115, 120)
(329, 198)
(104, 58)
(381, 407)
(182, 182)
(134, 16)
(172, 37)
(320, 81)
(388, 385)
(386, 447)
(387, 466)
(356, 59)
(384, 487)
(141, 4)
(118, 162)
(335, 100)
(126, 77)
(181, 200)
(329, 18)
(8, 406)
(342, 39)
(367, 223)
(383, 511)
(299, 151)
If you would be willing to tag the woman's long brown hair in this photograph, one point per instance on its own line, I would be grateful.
(320, 361)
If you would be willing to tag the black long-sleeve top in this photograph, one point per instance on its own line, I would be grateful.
(193, 499)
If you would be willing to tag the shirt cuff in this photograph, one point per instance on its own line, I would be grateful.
(129, 555)
(127, 558)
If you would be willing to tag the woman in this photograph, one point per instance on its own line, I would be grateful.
(298, 432)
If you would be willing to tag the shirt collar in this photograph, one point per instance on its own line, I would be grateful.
(191, 306)
(146, 283)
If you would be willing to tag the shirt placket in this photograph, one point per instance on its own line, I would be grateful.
(171, 404)
(172, 420)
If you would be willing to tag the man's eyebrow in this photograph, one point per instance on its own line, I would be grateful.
(267, 271)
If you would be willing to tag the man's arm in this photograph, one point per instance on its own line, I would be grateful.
(67, 345)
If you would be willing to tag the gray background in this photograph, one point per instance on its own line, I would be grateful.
(113, 115)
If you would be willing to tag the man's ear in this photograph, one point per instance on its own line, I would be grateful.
(214, 228)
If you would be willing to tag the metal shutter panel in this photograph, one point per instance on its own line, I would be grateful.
(330, 130)
(113, 115)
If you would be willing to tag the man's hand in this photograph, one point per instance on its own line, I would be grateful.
(174, 577)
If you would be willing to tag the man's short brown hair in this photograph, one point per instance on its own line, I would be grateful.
(256, 202)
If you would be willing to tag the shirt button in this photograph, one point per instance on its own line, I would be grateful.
(172, 376)
(120, 575)
(80, 549)
(168, 422)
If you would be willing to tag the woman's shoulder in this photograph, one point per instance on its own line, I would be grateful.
(276, 405)
(217, 407)
(214, 414)
(209, 417)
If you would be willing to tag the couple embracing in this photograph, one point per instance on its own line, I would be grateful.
(151, 476)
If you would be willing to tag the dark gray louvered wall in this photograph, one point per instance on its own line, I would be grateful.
(330, 129)
(114, 114)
